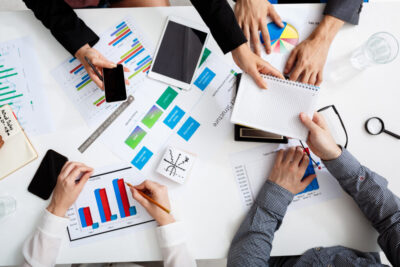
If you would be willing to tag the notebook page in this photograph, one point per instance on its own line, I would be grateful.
(277, 109)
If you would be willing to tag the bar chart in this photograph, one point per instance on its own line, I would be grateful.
(122, 44)
(20, 85)
(105, 205)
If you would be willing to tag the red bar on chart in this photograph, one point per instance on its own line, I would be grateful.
(131, 54)
(106, 205)
(124, 196)
(88, 216)
(74, 69)
(119, 37)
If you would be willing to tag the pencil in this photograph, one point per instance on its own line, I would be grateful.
(150, 199)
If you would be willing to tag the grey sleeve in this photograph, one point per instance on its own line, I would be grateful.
(346, 10)
(252, 243)
(369, 190)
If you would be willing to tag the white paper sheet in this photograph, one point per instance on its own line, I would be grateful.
(129, 48)
(21, 86)
(252, 167)
(87, 224)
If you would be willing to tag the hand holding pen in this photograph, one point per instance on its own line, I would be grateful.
(94, 62)
(154, 198)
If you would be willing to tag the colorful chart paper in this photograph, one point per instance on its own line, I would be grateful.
(283, 40)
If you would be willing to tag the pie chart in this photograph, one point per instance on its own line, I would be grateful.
(283, 40)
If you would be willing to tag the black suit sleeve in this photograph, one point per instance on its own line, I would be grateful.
(221, 20)
(346, 10)
(63, 23)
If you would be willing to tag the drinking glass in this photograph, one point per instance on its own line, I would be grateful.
(8, 205)
(380, 48)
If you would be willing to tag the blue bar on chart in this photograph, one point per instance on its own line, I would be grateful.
(125, 209)
(188, 128)
(103, 205)
(143, 62)
(204, 79)
(174, 117)
(314, 184)
(142, 158)
(85, 217)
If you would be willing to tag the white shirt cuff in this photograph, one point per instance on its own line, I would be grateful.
(171, 234)
(53, 225)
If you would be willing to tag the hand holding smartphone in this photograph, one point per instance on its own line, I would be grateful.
(114, 84)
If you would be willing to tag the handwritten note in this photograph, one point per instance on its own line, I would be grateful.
(8, 123)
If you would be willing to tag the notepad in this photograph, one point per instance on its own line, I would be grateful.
(17, 150)
(276, 109)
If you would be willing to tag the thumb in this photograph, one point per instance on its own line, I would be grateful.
(258, 79)
(306, 181)
(311, 126)
(139, 198)
(103, 63)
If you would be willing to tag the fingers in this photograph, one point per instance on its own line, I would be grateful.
(275, 17)
(304, 162)
(298, 156)
(279, 157)
(257, 78)
(1, 141)
(94, 77)
(78, 170)
(319, 79)
(126, 69)
(294, 76)
(313, 79)
(266, 37)
(255, 40)
(306, 77)
(291, 61)
(266, 68)
(84, 179)
(320, 120)
(139, 198)
(103, 63)
(289, 155)
(68, 167)
(311, 126)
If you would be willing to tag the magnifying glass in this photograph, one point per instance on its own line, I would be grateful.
(376, 126)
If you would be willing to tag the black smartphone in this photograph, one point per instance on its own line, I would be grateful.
(114, 84)
(45, 178)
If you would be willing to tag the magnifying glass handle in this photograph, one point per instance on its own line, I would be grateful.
(392, 134)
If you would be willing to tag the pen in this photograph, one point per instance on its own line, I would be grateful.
(94, 69)
(150, 199)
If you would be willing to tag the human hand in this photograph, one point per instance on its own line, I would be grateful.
(319, 140)
(307, 60)
(289, 169)
(252, 18)
(158, 193)
(68, 189)
(98, 60)
(253, 65)
(1, 141)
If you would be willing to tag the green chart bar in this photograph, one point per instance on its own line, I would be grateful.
(12, 97)
(1, 71)
(3, 88)
(9, 75)
(83, 85)
(6, 93)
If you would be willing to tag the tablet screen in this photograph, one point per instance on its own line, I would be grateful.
(179, 52)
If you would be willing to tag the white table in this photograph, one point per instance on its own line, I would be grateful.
(211, 221)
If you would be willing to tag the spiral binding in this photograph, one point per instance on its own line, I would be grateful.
(298, 84)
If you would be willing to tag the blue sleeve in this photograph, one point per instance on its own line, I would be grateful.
(252, 243)
(369, 190)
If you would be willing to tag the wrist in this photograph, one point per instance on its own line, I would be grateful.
(333, 154)
(164, 220)
(327, 29)
(54, 209)
(81, 50)
(240, 50)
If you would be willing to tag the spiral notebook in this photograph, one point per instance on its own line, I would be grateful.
(276, 109)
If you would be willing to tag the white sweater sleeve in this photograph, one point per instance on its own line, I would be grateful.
(171, 239)
(41, 249)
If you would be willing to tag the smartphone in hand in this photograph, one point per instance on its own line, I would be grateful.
(114, 84)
